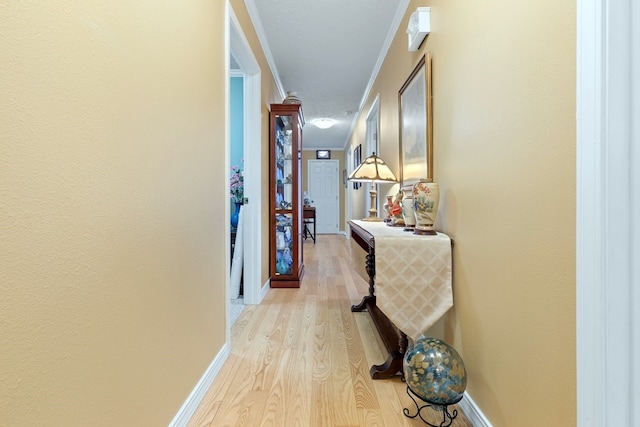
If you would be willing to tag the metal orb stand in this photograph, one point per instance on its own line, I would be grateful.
(447, 417)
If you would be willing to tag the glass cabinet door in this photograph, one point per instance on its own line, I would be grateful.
(284, 193)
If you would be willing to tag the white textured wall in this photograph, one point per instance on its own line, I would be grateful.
(111, 194)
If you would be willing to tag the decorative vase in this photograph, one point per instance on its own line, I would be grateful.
(426, 197)
(284, 262)
(235, 215)
(292, 98)
(434, 371)
(408, 213)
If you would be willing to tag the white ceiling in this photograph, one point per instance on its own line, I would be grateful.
(328, 51)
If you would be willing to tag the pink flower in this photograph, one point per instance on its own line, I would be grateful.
(236, 185)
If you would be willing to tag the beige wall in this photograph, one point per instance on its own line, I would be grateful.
(335, 155)
(112, 185)
(504, 142)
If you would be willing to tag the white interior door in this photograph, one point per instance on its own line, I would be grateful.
(323, 185)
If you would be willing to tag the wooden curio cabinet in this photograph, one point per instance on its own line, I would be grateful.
(285, 187)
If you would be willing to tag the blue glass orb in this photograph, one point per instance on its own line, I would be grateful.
(434, 371)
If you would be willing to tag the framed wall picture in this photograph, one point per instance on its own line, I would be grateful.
(323, 154)
(357, 159)
(416, 125)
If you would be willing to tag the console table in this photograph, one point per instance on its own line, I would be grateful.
(414, 299)
(309, 217)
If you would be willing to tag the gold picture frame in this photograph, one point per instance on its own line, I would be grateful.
(415, 102)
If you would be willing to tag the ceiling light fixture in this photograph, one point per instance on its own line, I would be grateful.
(324, 123)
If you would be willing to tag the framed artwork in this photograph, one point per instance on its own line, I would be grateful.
(357, 159)
(416, 125)
(323, 154)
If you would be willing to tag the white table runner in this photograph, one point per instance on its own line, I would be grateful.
(413, 276)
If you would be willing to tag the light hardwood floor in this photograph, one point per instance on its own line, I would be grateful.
(302, 358)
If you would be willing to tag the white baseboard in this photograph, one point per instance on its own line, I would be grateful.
(473, 412)
(197, 394)
(265, 289)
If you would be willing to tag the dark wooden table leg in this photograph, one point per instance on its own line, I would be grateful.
(403, 342)
(395, 341)
(392, 367)
(370, 266)
(362, 306)
(389, 335)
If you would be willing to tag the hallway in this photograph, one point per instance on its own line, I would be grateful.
(302, 357)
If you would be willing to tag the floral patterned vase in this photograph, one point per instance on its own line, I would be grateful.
(408, 213)
(426, 197)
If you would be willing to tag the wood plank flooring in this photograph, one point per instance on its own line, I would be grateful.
(302, 358)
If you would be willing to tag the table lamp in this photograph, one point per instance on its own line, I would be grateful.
(373, 170)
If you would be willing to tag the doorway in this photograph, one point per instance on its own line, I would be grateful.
(324, 188)
(236, 160)
(246, 65)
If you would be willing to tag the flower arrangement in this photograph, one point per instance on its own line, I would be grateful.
(236, 186)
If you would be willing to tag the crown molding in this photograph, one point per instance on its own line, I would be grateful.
(257, 25)
(395, 24)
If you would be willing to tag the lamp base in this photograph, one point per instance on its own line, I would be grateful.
(373, 212)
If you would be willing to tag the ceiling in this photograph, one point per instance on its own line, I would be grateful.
(329, 52)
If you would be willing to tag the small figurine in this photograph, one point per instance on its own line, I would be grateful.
(306, 199)
(386, 208)
(396, 211)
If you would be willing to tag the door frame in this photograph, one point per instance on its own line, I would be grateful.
(251, 211)
(607, 237)
(347, 191)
